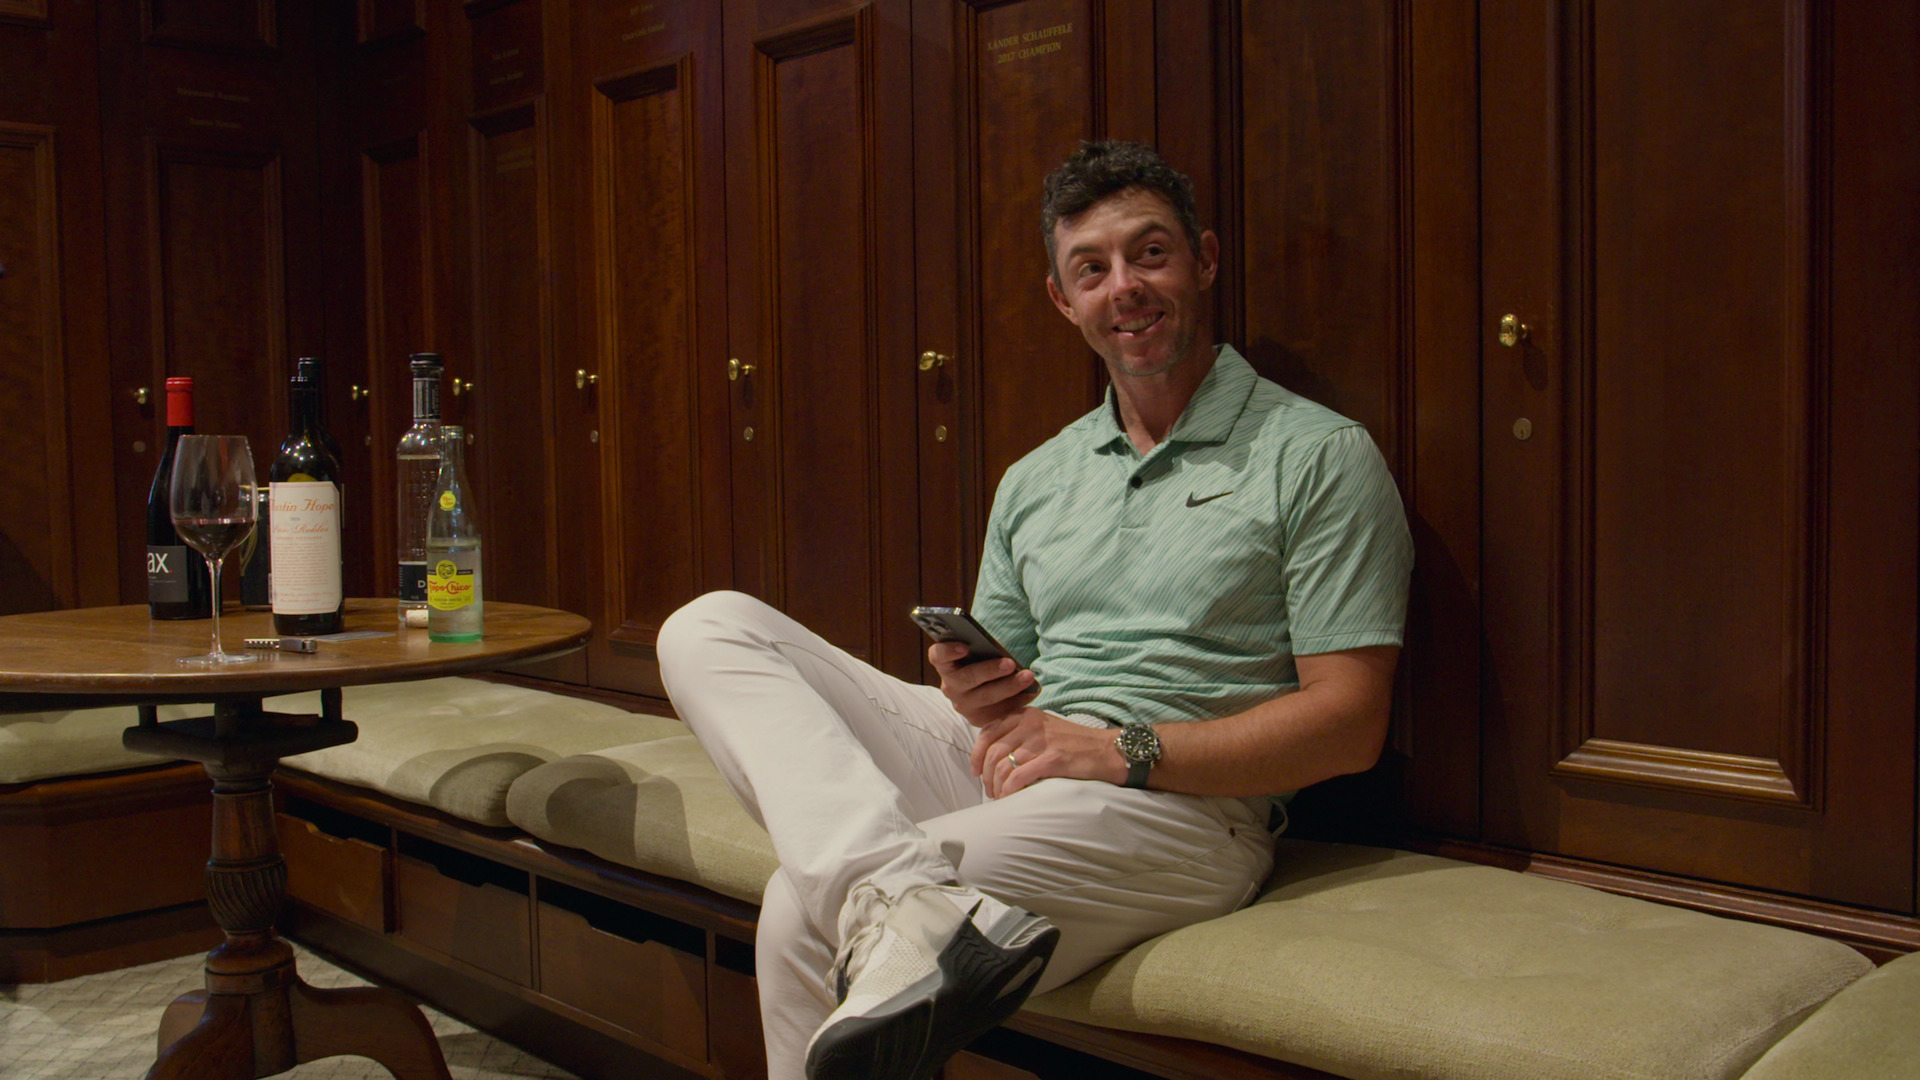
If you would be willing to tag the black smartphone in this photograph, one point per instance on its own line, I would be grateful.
(954, 624)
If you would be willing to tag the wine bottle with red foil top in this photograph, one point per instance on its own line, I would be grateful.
(177, 585)
(305, 518)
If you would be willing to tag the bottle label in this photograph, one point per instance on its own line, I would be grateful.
(305, 548)
(450, 585)
(426, 398)
(413, 582)
(167, 573)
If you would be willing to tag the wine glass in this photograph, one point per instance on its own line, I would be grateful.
(213, 509)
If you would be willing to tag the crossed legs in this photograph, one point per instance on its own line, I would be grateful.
(859, 777)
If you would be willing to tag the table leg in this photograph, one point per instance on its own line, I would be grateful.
(256, 1018)
(371, 1022)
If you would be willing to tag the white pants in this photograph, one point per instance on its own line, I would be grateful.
(859, 776)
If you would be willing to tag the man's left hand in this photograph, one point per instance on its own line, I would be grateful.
(1030, 745)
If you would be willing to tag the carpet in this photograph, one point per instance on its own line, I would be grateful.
(102, 1027)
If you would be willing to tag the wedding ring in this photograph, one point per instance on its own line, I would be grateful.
(1015, 760)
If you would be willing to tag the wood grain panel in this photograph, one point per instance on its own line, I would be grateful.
(1872, 477)
(508, 65)
(1031, 99)
(1701, 379)
(33, 11)
(218, 299)
(380, 20)
(226, 25)
(35, 509)
(821, 365)
(1326, 247)
(643, 220)
(510, 445)
(396, 220)
(1346, 302)
(824, 459)
(1681, 686)
(1327, 259)
(622, 38)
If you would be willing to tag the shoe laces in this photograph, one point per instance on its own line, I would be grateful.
(865, 914)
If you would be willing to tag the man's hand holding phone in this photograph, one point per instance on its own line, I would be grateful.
(976, 674)
(983, 691)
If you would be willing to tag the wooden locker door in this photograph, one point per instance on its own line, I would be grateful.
(1356, 252)
(504, 399)
(213, 238)
(642, 416)
(1003, 93)
(820, 257)
(385, 197)
(1700, 458)
(57, 511)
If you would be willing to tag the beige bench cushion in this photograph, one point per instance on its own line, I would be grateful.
(457, 745)
(46, 745)
(657, 806)
(1370, 964)
(1869, 1031)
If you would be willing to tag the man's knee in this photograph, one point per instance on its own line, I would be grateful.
(710, 617)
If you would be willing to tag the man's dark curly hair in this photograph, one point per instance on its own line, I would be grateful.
(1107, 167)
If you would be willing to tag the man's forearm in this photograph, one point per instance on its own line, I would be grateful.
(1335, 724)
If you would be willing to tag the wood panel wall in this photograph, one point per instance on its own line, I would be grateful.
(750, 295)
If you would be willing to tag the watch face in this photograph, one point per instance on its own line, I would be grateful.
(1140, 744)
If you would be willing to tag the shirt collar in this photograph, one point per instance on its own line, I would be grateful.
(1208, 418)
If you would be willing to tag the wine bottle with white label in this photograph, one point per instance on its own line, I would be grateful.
(177, 585)
(454, 596)
(306, 513)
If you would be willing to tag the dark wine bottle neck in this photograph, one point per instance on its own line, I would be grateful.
(306, 409)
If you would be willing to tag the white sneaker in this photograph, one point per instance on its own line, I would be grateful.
(922, 977)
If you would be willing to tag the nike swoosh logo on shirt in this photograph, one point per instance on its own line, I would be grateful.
(1191, 501)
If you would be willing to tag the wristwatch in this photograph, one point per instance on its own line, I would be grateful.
(1140, 745)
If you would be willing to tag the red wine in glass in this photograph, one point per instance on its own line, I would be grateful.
(213, 510)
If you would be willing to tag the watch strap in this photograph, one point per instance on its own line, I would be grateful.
(1139, 745)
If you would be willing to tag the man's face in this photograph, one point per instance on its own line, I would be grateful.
(1128, 278)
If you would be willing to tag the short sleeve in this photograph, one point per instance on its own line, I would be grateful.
(999, 600)
(1348, 553)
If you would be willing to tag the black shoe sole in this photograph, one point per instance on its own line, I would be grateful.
(914, 1043)
(997, 995)
(873, 1047)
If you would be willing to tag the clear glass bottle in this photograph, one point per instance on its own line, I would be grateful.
(417, 478)
(454, 595)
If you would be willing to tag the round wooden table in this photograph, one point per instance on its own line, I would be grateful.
(256, 1018)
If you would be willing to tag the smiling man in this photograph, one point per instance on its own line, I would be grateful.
(1202, 586)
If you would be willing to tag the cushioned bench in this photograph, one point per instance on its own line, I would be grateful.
(72, 804)
(1361, 962)
(458, 744)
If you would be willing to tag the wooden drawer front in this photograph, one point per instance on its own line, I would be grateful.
(340, 875)
(630, 968)
(738, 1048)
(463, 906)
(969, 1066)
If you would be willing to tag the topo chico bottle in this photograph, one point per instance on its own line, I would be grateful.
(454, 595)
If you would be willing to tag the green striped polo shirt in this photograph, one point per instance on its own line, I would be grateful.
(1181, 585)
